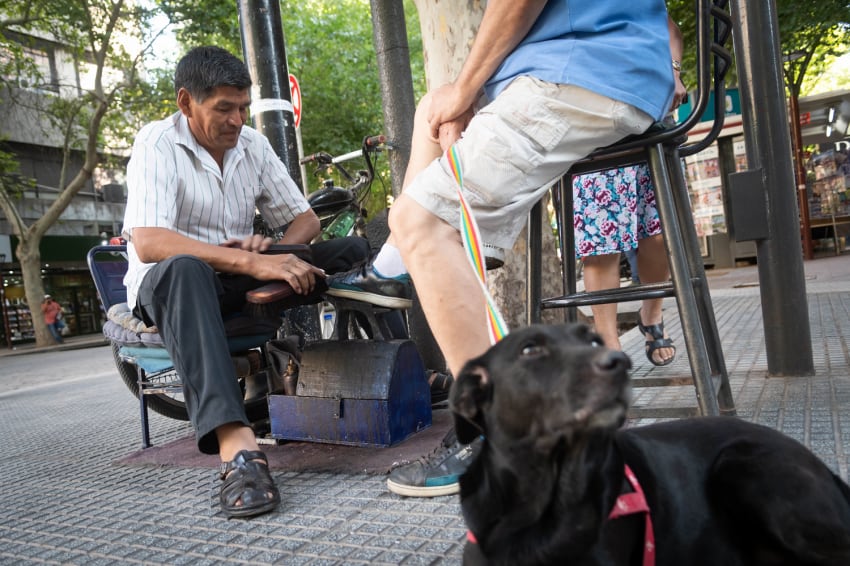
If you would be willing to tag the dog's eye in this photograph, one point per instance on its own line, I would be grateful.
(532, 350)
(596, 342)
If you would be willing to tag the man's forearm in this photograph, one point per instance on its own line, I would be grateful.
(157, 244)
(504, 25)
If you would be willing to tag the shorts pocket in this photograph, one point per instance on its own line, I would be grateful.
(629, 120)
(532, 111)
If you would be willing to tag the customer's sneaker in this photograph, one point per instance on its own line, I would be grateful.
(438, 473)
(365, 284)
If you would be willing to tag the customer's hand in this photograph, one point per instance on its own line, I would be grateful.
(450, 104)
(450, 132)
(680, 94)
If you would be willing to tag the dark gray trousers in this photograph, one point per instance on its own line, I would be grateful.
(185, 298)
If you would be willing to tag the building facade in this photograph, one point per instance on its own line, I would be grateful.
(37, 143)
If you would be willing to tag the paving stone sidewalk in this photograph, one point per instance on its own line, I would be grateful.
(66, 501)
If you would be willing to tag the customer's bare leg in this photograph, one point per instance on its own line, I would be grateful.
(423, 149)
(603, 272)
(653, 268)
(447, 287)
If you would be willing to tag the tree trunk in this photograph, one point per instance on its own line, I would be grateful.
(448, 30)
(29, 257)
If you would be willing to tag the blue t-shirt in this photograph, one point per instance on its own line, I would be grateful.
(619, 49)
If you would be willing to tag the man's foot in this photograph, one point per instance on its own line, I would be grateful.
(436, 474)
(248, 488)
(365, 284)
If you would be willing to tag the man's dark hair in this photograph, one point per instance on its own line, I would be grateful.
(205, 68)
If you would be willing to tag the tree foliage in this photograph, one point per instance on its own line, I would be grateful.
(814, 32)
(84, 110)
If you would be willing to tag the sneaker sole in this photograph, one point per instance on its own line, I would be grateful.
(421, 491)
(371, 298)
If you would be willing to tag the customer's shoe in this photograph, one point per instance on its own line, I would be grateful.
(365, 284)
(438, 473)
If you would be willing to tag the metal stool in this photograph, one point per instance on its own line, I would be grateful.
(662, 149)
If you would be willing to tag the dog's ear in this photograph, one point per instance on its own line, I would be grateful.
(469, 393)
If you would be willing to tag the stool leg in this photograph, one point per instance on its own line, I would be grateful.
(683, 285)
(562, 202)
(714, 347)
(534, 265)
(143, 408)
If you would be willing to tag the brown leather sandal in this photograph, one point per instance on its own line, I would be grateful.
(248, 489)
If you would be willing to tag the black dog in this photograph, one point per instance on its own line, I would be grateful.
(549, 402)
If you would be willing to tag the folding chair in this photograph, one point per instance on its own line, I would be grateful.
(136, 346)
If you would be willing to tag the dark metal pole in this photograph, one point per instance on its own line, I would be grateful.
(271, 110)
(271, 101)
(783, 288)
(389, 34)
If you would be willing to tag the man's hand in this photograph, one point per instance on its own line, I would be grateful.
(451, 106)
(255, 243)
(680, 93)
(278, 267)
(451, 131)
(298, 273)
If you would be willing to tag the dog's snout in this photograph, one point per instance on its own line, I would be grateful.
(613, 361)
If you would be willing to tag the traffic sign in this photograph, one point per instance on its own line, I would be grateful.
(295, 89)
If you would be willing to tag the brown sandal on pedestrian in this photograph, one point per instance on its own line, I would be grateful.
(248, 489)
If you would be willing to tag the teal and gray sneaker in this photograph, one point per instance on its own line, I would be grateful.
(363, 283)
(438, 473)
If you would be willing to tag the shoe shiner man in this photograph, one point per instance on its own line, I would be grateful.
(195, 180)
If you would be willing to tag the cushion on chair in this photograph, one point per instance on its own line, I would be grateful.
(143, 345)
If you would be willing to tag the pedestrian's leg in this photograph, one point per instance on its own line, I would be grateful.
(653, 268)
(603, 272)
(55, 333)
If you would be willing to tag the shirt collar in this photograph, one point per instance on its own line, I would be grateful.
(185, 138)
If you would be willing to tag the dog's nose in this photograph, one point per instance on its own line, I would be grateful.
(613, 361)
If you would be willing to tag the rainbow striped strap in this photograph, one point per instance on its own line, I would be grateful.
(475, 250)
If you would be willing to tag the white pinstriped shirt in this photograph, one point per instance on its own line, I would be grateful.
(174, 183)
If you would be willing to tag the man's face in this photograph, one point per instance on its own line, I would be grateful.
(217, 121)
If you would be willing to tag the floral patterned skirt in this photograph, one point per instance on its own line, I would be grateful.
(613, 209)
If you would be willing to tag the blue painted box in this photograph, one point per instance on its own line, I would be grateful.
(355, 392)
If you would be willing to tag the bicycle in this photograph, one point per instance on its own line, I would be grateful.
(340, 209)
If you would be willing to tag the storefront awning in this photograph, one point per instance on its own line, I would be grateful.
(61, 249)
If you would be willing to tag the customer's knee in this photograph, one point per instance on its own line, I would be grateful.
(409, 221)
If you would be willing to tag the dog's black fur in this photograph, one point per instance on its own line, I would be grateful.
(550, 401)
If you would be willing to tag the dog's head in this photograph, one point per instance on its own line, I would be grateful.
(540, 384)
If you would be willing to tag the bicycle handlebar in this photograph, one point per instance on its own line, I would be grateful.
(370, 144)
(372, 141)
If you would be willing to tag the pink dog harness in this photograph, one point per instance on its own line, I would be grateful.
(631, 503)
(626, 504)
